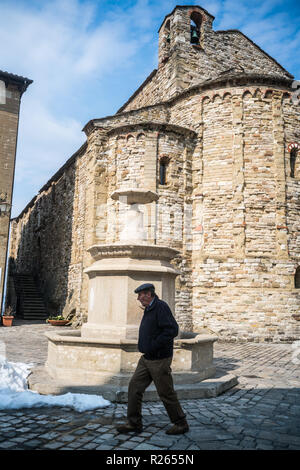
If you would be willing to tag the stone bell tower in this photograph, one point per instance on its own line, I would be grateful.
(183, 39)
(11, 89)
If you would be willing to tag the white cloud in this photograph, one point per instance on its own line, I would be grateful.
(57, 45)
(105, 49)
(45, 143)
(47, 140)
(62, 47)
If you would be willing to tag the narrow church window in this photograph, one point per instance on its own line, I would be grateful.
(293, 156)
(297, 278)
(195, 28)
(162, 172)
(163, 163)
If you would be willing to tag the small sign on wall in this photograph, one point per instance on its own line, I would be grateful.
(2, 92)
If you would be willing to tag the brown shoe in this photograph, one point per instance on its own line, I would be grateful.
(178, 429)
(125, 428)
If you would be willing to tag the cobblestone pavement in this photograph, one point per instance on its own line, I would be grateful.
(261, 412)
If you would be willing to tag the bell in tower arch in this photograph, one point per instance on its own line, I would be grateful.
(194, 35)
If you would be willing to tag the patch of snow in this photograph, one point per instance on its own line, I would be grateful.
(14, 393)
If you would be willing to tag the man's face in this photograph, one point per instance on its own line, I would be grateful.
(144, 297)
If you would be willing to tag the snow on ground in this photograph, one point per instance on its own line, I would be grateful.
(14, 393)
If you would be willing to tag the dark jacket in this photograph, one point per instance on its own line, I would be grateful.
(157, 331)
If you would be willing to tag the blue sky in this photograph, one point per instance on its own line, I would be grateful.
(87, 57)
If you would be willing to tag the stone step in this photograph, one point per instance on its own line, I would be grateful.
(29, 306)
(41, 382)
(32, 306)
(35, 317)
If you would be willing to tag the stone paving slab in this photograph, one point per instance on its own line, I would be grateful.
(262, 412)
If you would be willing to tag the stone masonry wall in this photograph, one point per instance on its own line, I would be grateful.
(47, 240)
(244, 217)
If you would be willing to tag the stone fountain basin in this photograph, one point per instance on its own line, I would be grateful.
(104, 367)
(93, 361)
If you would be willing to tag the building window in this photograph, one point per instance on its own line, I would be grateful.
(163, 164)
(195, 28)
(297, 278)
(162, 172)
(293, 156)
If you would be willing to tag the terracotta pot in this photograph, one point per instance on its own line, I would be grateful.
(58, 322)
(7, 320)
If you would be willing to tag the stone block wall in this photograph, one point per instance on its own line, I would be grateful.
(245, 223)
(47, 239)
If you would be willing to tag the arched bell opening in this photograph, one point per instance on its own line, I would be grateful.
(196, 20)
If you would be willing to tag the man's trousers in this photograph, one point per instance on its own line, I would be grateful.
(158, 371)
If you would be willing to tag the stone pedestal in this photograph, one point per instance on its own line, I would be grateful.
(113, 308)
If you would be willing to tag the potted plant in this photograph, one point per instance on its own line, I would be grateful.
(59, 320)
(7, 317)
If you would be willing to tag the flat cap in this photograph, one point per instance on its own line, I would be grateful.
(144, 287)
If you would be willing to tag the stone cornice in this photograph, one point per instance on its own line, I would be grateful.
(118, 250)
(232, 80)
(11, 79)
(156, 125)
(100, 123)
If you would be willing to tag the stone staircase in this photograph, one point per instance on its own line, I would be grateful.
(30, 301)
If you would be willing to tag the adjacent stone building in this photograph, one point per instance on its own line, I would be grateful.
(11, 89)
(215, 131)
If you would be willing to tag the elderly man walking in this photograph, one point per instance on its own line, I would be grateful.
(157, 331)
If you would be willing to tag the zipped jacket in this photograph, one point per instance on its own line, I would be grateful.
(157, 331)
